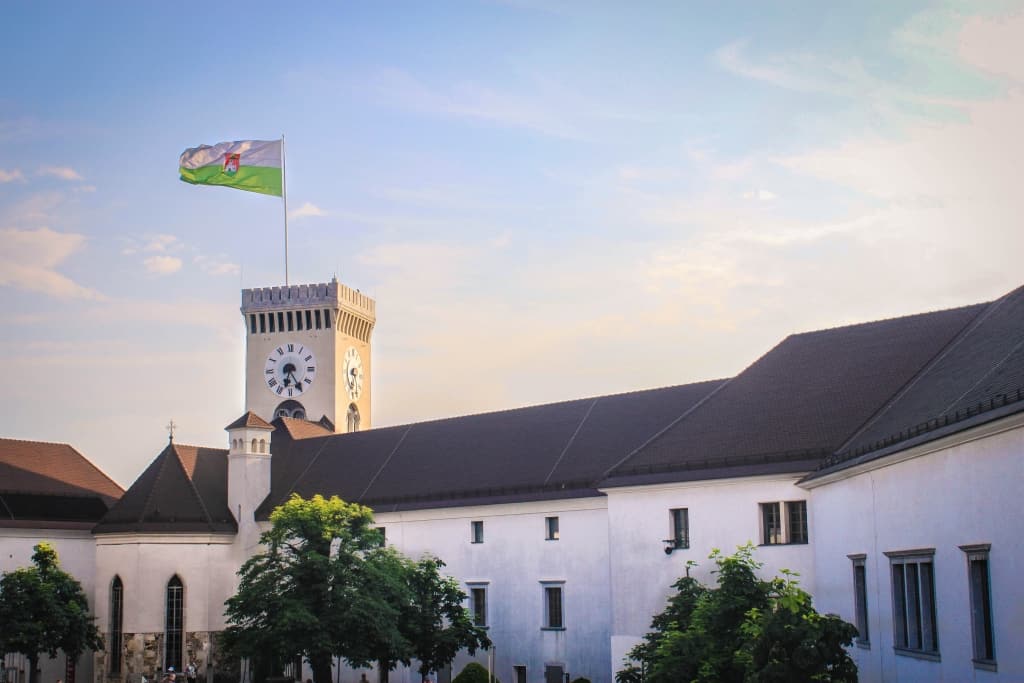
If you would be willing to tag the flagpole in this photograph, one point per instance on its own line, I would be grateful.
(284, 195)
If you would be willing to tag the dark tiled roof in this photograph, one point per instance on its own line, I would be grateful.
(183, 490)
(250, 419)
(51, 485)
(799, 402)
(979, 377)
(556, 450)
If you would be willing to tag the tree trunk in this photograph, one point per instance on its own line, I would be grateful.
(33, 668)
(384, 671)
(321, 665)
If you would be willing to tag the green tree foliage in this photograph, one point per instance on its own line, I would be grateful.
(43, 610)
(746, 630)
(324, 587)
(473, 673)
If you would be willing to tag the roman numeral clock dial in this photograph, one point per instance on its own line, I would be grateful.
(290, 370)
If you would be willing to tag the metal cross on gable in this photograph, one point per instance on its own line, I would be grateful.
(170, 430)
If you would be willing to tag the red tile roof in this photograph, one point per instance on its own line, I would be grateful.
(250, 419)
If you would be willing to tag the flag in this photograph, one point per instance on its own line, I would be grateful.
(253, 165)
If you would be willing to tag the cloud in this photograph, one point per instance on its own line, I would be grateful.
(162, 265)
(30, 258)
(11, 176)
(993, 44)
(62, 172)
(307, 209)
(760, 195)
(216, 267)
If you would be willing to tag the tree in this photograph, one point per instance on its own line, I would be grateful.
(325, 587)
(437, 625)
(291, 598)
(43, 609)
(747, 630)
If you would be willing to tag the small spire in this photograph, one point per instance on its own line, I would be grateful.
(170, 431)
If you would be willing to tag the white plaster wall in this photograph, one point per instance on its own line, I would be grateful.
(963, 494)
(514, 560)
(76, 552)
(206, 565)
(723, 514)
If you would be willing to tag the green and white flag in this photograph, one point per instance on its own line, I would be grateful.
(253, 165)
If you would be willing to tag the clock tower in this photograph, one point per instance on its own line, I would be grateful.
(308, 353)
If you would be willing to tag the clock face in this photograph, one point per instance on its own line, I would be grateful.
(290, 370)
(353, 373)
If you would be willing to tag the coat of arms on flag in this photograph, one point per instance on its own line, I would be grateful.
(231, 162)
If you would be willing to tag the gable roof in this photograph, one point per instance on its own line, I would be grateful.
(977, 378)
(51, 485)
(558, 450)
(250, 419)
(184, 490)
(302, 429)
(798, 403)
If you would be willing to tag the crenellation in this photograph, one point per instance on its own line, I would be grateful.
(334, 294)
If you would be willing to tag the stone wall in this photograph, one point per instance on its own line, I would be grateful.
(142, 656)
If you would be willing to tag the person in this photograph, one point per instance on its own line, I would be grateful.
(190, 672)
(363, 679)
(169, 678)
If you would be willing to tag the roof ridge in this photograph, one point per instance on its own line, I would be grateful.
(93, 465)
(384, 464)
(964, 331)
(889, 319)
(192, 484)
(156, 483)
(572, 439)
(46, 443)
(686, 413)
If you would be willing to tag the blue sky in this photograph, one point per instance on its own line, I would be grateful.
(547, 199)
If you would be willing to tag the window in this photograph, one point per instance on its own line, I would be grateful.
(553, 608)
(551, 528)
(775, 532)
(519, 673)
(554, 673)
(173, 625)
(860, 599)
(679, 520)
(913, 603)
(476, 531)
(383, 536)
(252, 323)
(478, 600)
(980, 586)
(116, 619)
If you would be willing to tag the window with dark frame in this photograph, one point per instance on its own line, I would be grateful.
(173, 624)
(116, 621)
(980, 586)
(478, 596)
(796, 511)
(860, 599)
(383, 531)
(771, 524)
(679, 519)
(915, 628)
(520, 673)
(553, 615)
(476, 533)
(551, 528)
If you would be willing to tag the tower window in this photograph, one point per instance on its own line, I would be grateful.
(252, 323)
(270, 319)
(352, 418)
(317, 315)
(327, 319)
(280, 321)
(298, 320)
(309, 320)
(291, 322)
(254, 445)
(290, 409)
(263, 323)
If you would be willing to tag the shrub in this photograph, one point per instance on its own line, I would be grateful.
(473, 673)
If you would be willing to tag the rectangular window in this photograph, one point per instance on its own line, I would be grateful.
(679, 518)
(554, 673)
(309, 320)
(860, 599)
(771, 524)
(291, 322)
(980, 586)
(270, 321)
(551, 528)
(519, 673)
(476, 532)
(252, 323)
(327, 319)
(383, 535)
(553, 614)
(784, 522)
(263, 323)
(280, 321)
(913, 602)
(796, 512)
(478, 596)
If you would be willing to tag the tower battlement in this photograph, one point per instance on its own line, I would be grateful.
(332, 294)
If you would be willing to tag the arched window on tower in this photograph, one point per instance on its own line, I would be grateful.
(116, 619)
(290, 409)
(263, 445)
(352, 418)
(254, 446)
(173, 626)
